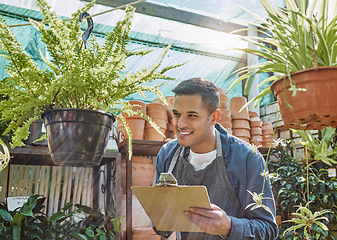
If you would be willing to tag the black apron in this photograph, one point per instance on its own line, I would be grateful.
(214, 176)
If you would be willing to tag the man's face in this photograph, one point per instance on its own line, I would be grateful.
(193, 124)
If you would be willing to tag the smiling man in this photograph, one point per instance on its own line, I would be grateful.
(205, 154)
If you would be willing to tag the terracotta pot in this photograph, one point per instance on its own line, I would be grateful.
(253, 114)
(267, 138)
(236, 104)
(241, 132)
(222, 91)
(157, 110)
(240, 123)
(267, 125)
(223, 104)
(142, 174)
(137, 126)
(256, 138)
(314, 108)
(255, 122)
(246, 139)
(226, 113)
(153, 135)
(225, 119)
(160, 122)
(256, 131)
(257, 143)
(169, 100)
(136, 106)
(226, 124)
(139, 160)
(268, 132)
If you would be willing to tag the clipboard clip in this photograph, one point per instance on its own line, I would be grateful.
(167, 179)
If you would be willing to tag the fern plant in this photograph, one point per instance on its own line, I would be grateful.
(94, 77)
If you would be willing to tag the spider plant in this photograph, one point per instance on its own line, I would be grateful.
(300, 36)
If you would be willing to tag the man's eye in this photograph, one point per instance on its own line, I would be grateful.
(192, 115)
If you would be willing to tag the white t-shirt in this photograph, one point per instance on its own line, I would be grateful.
(201, 160)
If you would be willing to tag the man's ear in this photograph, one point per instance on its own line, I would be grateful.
(215, 116)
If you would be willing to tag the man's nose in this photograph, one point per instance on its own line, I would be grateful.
(181, 122)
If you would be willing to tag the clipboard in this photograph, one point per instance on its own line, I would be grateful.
(165, 205)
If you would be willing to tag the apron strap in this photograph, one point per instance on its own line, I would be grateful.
(180, 151)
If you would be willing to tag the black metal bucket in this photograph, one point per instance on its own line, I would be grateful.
(77, 137)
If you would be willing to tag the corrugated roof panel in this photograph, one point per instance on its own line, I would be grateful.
(200, 61)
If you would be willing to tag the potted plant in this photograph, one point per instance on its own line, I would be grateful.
(299, 46)
(303, 190)
(79, 82)
(322, 150)
(73, 221)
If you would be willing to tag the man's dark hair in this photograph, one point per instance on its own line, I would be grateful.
(202, 87)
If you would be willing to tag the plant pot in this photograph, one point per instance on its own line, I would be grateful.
(241, 123)
(142, 174)
(314, 108)
(225, 113)
(160, 123)
(137, 126)
(136, 106)
(157, 110)
(255, 122)
(246, 139)
(255, 131)
(77, 137)
(241, 132)
(225, 119)
(153, 135)
(226, 124)
(236, 104)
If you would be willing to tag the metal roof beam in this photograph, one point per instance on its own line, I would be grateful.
(176, 14)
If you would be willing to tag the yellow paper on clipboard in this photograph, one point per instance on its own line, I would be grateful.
(165, 205)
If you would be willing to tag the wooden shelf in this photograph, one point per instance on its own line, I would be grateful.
(39, 155)
(141, 147)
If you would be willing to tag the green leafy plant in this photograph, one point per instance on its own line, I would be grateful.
(294, 186)
(322, 149)
(25, 222)
(92, 77)
(305, 219)
(83, 223)
(289, 39)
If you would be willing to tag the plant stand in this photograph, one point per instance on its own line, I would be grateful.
(39, 155)
(139, 147)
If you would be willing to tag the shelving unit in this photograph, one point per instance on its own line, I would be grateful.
(39, 155)
(139, 147)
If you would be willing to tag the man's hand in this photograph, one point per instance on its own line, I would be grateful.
(213, 221)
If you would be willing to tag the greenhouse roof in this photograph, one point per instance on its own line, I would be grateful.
(207, 52)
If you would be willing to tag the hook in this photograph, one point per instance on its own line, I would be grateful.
(87, 33)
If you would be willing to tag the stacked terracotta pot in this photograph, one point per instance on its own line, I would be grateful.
(226, 116)
(267, 134)
(255, 129)
(240, 119)
(142, 172)
(135, 122)
(158, 113)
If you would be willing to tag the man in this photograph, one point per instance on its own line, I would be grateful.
(204, 154)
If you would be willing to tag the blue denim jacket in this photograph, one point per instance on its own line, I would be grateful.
(244, 168)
